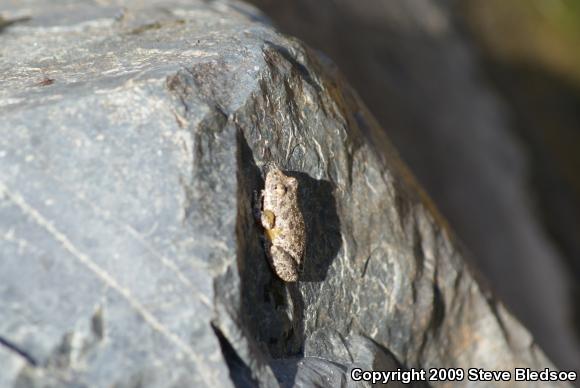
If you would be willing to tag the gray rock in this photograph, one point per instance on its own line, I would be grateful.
(133, 141)
(424, 80)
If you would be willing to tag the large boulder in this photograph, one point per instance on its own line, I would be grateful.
(487, 166)
(133, 140)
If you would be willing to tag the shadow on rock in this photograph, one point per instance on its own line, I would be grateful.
(267, 306)
(317, 203)
(272, 310)
(332, 359)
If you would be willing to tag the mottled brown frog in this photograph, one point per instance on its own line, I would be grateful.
(283, 223)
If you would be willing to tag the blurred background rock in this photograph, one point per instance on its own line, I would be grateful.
(481, 98)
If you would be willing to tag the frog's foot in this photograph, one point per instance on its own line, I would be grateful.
(284, 265)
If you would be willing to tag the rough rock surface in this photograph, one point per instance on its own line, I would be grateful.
(132, 140)
(421, 76)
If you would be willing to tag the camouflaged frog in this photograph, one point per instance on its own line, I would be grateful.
(280, 216)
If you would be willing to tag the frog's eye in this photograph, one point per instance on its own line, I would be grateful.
(280, 189)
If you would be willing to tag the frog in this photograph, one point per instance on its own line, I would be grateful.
(279, 214)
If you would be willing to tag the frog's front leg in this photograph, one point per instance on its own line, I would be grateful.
(265, 218)
(284, 264)
(268, 220)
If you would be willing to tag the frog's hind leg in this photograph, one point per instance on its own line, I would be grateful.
(283, 264)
